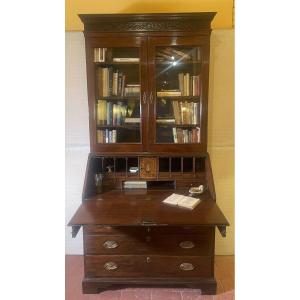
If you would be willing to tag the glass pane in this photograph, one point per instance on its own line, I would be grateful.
(118, 109)
(178, 94)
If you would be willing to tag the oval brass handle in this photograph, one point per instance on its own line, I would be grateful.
(110, 266)
(148, 259)
(187, 245)
(110, 244)
(186, 267)
(147, 168)
(144, 98)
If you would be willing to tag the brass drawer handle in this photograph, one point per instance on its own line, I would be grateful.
(110, 266)
(110, 244)
(186, 267)
(187, 245)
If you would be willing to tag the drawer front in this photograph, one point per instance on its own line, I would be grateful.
(132, 230)
(189, 244)
(148, 266)
(148, 167)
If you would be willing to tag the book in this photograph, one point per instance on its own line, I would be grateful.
(165, 121)
(99, 54)
(135, 184)
(132, 120)
(101, 112)
(175, 138)
(126, 59)
(166, 93)
(182, 201)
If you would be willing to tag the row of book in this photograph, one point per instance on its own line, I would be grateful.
(106, 136)
(186, 135)
(186, 112)
(99, 54)
(109, 113)
(172, 54)
(189, 85)
(116, 113)
(111, 82)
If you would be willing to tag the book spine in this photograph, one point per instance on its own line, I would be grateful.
(175, 135)
(115, 83)
(114, 136)
(106, 135)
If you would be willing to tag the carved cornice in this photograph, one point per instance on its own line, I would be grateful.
(147, 22)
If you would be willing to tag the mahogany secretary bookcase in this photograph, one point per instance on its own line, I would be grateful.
(147, 78)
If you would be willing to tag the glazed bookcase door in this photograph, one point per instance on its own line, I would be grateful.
(117, 93)
(178, 89)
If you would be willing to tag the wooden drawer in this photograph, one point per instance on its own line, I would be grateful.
(131, 230)
(148, 266)
(167, 244)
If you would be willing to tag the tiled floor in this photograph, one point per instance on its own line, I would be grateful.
(224, 273)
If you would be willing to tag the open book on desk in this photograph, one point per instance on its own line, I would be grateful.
(182, 201)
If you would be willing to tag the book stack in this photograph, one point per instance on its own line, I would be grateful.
(99, 54)
(184, 136)
(111, 82)
(182, 201)
(109, 113)
(186, 112)
(189, 85)
(105, 136)
(135, 184)
(126, 59)
(132, 90)
(169, 93)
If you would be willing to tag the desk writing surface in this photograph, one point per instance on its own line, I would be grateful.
(137, 207)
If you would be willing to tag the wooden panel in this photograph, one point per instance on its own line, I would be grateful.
(131, 230)
(118, 208)
(148, 167)
(149, 244)
(148, 266)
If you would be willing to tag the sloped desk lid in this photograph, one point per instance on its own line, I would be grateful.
(145, 208)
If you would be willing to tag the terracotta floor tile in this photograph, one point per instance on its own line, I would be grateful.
(190, 295)
(136, 295)
(160, 294)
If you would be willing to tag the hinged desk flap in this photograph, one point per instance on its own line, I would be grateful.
(145, 208)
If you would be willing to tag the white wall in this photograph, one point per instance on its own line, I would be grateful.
(77, 133)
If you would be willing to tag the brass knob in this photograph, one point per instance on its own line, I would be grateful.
(148, 259)
(110, 266)
(187, 245)
(186, 267)
(147, 168)
(110, 244)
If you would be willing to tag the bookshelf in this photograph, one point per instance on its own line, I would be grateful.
(147, 77)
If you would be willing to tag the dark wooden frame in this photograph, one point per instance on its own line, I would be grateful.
(145, 31)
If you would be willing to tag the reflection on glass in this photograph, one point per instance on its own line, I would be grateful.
(178, 91)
